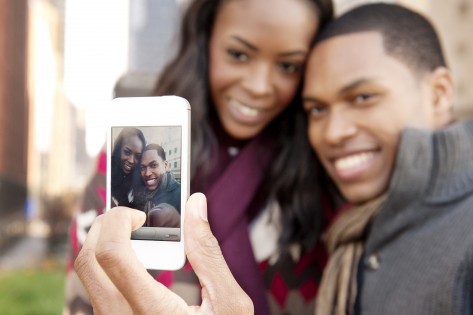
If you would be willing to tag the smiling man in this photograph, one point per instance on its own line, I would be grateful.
(159, 196)
(378, 94)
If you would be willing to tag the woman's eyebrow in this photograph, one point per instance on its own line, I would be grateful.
(244, 42)
(292, 53)
(254, 48)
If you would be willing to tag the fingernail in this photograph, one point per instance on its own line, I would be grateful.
(202, 208)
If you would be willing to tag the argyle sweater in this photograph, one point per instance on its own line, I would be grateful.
(291, 279)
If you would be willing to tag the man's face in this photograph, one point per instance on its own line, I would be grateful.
(358, 100)
(152, 169)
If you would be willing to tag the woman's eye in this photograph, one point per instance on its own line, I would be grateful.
(237, 55)
(290, 67)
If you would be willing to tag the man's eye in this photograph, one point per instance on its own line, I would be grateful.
(153, 165)
(317, 110)
(290, 67)
(363, 98)
(237, 55)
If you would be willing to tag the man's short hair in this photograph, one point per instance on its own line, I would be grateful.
(407, 35)
(158, 148)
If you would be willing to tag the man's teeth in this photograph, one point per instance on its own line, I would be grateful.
(245, 110)
(151, 181)
(353, 161)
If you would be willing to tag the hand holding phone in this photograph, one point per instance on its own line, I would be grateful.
(110, 271)
(148, 146)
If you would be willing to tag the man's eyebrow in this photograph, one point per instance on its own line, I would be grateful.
(153, 161)
(254, 48)
(344, 89)
(310, 99)
(355, 84)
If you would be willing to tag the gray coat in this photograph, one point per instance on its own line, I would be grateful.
(419, 253)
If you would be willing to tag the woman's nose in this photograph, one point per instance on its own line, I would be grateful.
(258, 81)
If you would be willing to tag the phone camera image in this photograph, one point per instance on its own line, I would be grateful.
(146, 175)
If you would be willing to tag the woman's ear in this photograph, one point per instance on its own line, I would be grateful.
(443, 95)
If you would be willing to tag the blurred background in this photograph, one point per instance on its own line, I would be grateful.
(61, 61)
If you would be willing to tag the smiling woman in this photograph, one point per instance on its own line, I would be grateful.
(126, 156)
(240, 66)
(253, 76)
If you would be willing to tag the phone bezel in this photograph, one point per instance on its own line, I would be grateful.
(154, 111)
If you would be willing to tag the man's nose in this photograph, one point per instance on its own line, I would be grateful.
(339, 127)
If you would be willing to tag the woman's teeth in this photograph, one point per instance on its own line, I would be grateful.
(245, 110)
(353, 161)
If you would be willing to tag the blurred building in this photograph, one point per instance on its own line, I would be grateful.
(13, 111)
(454, 20)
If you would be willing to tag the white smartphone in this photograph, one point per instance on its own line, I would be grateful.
(148, 147)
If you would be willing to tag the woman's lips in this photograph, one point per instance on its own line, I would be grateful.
(127, 167)
(243, 112)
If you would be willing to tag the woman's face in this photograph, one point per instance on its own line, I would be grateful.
(130, 153)
(257, 52)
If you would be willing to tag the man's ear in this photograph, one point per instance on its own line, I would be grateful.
(443, 94)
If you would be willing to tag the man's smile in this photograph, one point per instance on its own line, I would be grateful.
(353, 165)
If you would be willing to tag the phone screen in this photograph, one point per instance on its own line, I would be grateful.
(146, 175)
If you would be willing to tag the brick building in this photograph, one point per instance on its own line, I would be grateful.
(13, 105)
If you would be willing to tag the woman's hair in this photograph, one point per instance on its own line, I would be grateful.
(292, 175)
(126, 132)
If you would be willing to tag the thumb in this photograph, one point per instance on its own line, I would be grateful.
(201, 245)
(205, 256)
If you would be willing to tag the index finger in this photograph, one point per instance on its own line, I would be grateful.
(118, 259)
(99, 287)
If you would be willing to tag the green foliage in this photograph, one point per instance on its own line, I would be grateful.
(32, 292)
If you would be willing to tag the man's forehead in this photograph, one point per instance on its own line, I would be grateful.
(344, 59)
(349, 47)
(150, 154)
